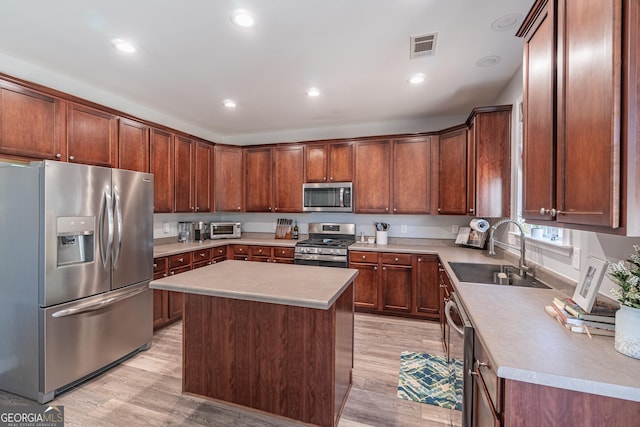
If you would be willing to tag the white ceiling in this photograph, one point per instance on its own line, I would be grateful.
(191, 57)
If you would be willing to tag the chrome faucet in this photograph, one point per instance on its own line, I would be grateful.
(492, 242)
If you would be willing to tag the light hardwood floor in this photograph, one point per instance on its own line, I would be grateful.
(146, 389)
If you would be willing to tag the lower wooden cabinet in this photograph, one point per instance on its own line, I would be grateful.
(395, 283)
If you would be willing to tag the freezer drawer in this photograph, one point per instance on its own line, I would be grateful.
(82, 337)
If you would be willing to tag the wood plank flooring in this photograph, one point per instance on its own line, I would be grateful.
(146, 389)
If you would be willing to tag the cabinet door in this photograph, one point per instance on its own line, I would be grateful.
(31, 124)
(161, 166)
(175, 305)
(288, 176)
(590, 108)
(133, 146)
(412, 176)
(366, 292)
(258, 187)
(91, 136)
(160, 315)
(372, 177)
(315, 156)
(452, 173)
(492, 164)
(396, 288)
(539, 110)
(203, 177)
(183, 175)
(340, 164)
(228, 178)
(427, 290)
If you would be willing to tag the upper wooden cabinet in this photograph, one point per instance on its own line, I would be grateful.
(161, 166)
(411, 176)
(273, 178)
(258, 179)
(288, 176)
(329, 162)
(452, 172)
(32, 124)
(581, 114)
(133, 146)
(193, 172)
(228, 178)
(372, 179)
(91, 136)
(489, 162)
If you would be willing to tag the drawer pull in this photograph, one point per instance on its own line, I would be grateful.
(181, 259)
(202, 255)
(155, 265)
(364, 256)
(396, 259)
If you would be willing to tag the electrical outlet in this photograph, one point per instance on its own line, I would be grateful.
(455, 229)
(575, 258)
(165, 227)
(403, 228)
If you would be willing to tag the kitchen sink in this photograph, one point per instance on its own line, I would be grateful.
(495, 274)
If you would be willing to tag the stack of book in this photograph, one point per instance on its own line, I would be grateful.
(600, 321)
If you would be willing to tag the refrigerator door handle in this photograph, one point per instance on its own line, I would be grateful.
(117, 246)
(97, 305)
(105, 253)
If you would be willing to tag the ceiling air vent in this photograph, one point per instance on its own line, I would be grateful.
(424, 45)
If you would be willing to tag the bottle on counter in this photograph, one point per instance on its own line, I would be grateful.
(295, 233)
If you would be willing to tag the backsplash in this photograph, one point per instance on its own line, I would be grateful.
(402, 226)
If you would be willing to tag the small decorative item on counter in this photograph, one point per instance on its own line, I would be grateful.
(362, 238)
(627, 276)
(295, 233)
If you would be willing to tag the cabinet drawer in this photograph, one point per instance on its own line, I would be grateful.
(396, 259)
(363, 257)
(283, 252)
(159, 265)
(219, 252)
(261, 251)
(201, 255)
(240, 249)
(180, 260)
(201, 264)
(179, 270)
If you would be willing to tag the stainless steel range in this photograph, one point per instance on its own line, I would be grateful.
(327, 245)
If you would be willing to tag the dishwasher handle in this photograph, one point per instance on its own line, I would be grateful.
(447, 312)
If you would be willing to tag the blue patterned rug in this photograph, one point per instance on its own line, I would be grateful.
(430, 379)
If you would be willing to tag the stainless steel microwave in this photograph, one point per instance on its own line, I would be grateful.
(327, 197)
(225, 230)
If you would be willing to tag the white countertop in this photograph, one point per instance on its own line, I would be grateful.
(178, 247)
(524, 343)
(296, 285)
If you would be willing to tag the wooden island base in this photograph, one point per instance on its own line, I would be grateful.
(287, 360)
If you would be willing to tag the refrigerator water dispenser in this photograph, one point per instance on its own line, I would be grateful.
(75, 240)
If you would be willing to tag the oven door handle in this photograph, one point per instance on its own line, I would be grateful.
(447, 312)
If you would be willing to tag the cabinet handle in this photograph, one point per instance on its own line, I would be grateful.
(419, 259)
(155, 265)
(181, 259)
(172, 273)
(58, 156)
(210, 262)
(471, 210)
(191, 207)
(556, 212)
(197, 208)
(260, 251)
(384, 268)
(269, 207)
(442, 285)
(375, 268)
(331, 179)
(276, 209)
(202, 255)
(396, 259)
(274, 261)
(395, 210)
(324, 178)
(543, 211)
(364, 256)
(238, 208)
(439, 209)
(386, 209)
(71, 158)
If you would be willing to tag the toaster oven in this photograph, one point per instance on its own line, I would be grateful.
(225, 230)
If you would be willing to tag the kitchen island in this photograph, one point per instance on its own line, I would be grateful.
(272, 337)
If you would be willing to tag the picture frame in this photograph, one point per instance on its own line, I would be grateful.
(587, 289)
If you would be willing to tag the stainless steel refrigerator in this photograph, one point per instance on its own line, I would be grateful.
(76, 258)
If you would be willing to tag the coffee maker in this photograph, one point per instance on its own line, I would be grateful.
(199, 232)
(186, 231)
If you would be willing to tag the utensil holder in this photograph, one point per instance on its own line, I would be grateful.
(382, 237)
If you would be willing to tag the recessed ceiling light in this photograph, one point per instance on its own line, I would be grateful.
(488, 61)
(506, 22)
(314, 91)
(242, 18)
(123, 46)
(229, 103)
(416, 79)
